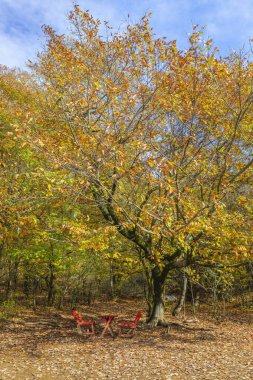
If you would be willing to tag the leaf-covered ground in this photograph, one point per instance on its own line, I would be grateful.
(45, 345)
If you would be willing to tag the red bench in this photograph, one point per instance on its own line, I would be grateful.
(130, 326)
(90, 325)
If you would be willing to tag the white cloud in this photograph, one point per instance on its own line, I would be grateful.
(13, 53)
(229, 22)
(21, 21)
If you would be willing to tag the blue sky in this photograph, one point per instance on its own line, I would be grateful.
(228, 22)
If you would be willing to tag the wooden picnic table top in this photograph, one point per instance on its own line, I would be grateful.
(107, 316)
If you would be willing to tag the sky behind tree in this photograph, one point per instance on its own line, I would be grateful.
(228, 22)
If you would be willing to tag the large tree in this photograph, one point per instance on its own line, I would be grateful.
(158, 138)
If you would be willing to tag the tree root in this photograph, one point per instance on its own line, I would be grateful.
(157, 322)
(185, 327)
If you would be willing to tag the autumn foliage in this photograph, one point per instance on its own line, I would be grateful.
(156, 140)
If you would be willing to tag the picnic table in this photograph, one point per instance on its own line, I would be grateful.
(107, 320)
(125, 326)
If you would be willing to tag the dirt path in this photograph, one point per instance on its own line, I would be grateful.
(46, 346)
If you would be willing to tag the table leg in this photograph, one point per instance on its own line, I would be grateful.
(107, 327)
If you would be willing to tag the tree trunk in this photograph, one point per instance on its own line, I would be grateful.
(27, 279)
(249, 268)
(181, 301)
(35, 284)
(51, 278)
(157, 312)
(64, 291)
(15, 274)
(197, 298)
(11, 283)
(148, 288)
(50, 293)
(112, 281)
(26, 285)
(148, 291)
